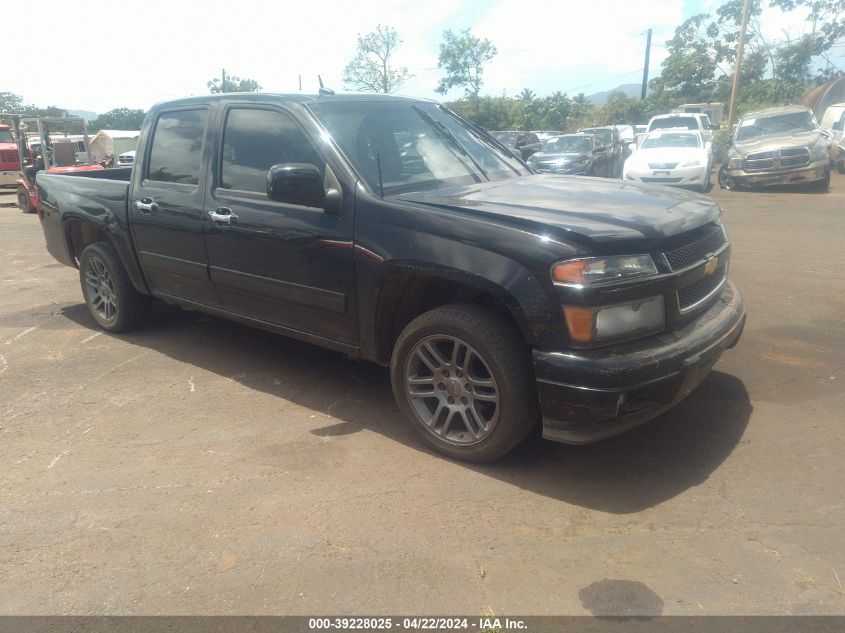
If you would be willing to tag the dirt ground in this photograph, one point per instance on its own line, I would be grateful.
(198, 466)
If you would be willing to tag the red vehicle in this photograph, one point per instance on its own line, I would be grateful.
(10, 164)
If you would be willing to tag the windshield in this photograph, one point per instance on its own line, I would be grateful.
(6, 137)
(605, 135)
(671, 140)
(579, 144)
(777, 124)
(686, 122)
(400, 147)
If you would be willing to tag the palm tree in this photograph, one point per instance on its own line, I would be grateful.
(526, 95)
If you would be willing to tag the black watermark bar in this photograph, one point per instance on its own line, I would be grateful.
(480, 624)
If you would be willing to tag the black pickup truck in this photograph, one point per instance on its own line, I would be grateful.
(393, 230)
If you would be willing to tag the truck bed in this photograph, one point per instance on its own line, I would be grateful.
(92, 200)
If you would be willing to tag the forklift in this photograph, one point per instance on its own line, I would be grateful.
(51, 154)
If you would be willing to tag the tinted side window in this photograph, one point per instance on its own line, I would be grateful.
(176, 154)
(255, 140)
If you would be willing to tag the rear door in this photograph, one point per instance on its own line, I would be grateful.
(281, 263)
(166, 206)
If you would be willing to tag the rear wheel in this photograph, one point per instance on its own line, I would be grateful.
(23, 201)
(462, 375)
(111, 299)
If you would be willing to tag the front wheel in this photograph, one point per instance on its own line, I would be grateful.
(109, 294)
(462, 376)
(824, 183)
(23, 201)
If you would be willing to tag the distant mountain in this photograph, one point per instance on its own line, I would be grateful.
(598, 99)
(85, 114)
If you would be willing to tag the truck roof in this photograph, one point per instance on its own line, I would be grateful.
(775, 110)
(259, 97)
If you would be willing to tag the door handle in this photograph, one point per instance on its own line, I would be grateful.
(223, 215)
(146, 205)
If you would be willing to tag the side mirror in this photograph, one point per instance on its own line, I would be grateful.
(296, 183)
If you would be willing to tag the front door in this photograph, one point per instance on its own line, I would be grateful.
(166, 207)
(285, 264)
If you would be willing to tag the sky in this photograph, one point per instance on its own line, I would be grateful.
(95, 55)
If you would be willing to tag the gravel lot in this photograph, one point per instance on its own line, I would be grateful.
(199, 466)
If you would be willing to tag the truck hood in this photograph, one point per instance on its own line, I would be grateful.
(599, 209)
(777, 141)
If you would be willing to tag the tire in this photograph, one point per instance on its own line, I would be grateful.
(479, 407)
(111, 299)
(23, 201)
(824, 183)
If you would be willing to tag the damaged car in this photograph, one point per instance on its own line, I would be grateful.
(777, 146)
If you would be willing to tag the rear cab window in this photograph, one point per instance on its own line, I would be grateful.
(176, 150)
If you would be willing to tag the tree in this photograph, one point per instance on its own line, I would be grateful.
(463, 56)
(231, 83)
(526, 95)
(118, 119)
(370, 70)
(12, 103)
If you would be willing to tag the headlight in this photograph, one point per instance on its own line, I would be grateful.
(590, 271)
(623, 321)
(735, 163)
(692, 163)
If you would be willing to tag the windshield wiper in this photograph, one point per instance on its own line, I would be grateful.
(450, 137)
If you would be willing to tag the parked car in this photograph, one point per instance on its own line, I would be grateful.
(545, 135)
(833, 121)
(777, 146)
(629, 139)
(521, 143)
(687, 121)
(126, 159)
(498, 297)
(10, 163)
(576, 154)
(609, 135)
(672, 157)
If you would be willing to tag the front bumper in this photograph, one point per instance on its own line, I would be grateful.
(588, 395)
(581, 169)
(807, 173)
(680, 176)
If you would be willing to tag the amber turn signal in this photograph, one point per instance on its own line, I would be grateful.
(581, 323)
(571, 272)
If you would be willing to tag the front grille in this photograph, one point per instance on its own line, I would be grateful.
(759, 161)
(661, 180)
(794, 157)
(8, 156)
(701, 249)
(777, 159)
(702, 289)
(662, 165)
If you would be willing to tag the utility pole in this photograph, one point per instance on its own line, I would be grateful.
(740, 49)
(223, 81)
(645, 66)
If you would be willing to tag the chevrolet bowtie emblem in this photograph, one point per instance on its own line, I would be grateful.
(710, 265)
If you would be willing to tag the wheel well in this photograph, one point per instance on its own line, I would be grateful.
(81, 234)
(405, 297)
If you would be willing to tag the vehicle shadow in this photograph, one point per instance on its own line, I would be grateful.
(625, 474)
